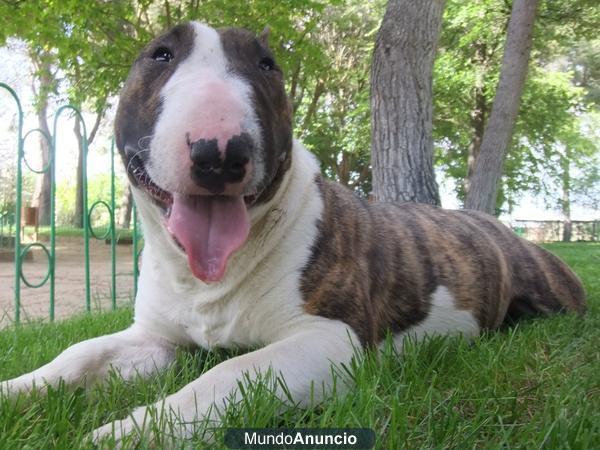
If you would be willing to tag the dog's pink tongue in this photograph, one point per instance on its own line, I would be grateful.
(210, 229)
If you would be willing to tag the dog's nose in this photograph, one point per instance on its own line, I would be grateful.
(212, 170)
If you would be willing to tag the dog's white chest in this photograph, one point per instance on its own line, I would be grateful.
(211, 325)
(188, 317)
(260, 293)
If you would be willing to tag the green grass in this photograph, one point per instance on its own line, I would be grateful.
(536, 385)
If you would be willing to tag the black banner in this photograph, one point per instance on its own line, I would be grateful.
(299, 438)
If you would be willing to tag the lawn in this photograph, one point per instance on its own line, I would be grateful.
(536, 385)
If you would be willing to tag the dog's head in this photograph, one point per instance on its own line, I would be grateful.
(204, 128)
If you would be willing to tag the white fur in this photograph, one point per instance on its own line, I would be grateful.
(134, 351)
(444, 319)
(203, 99)
(302, 357)
(261, 284)
(258, 303)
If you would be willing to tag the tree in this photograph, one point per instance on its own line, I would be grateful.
(499, 131)
(77, 41)
(401, 102)
(79, 212)
(575, 168)
(47, 85)
(325, 48)
(126, 209)
(333, 115)
(466, 75)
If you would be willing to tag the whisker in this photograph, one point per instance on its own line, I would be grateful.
(135, 155)
(144, 141)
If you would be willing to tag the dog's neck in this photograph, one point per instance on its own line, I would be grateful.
(270, 222)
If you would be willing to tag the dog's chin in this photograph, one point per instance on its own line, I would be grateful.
(206, 228)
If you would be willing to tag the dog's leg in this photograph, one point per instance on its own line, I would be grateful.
(303, 359)
(129, 352)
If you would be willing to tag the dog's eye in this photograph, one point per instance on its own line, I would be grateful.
(266, 64)
(162, 54)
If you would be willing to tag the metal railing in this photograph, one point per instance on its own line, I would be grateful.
(20, 250)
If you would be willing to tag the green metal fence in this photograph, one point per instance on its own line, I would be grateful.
(11, 224)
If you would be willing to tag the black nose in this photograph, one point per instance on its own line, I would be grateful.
(210, 170)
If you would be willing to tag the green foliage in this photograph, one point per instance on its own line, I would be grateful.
(324, 48)
(584, 59)
(465, 77)
(333, 117)
(98, 189)
(88, 41)
(579, 156)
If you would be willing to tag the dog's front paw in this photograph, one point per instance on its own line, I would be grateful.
(21, 385)
(139, 425)
(4, 389)
(112, 434)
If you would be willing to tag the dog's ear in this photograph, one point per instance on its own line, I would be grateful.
(263, 37)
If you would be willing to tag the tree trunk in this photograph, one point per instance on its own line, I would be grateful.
(126, 207)
(78, 216)
(477, 127)
(314, 102)
(498, 134)
(43, 184)
(478, 115)
(401, 102)
(566, 197)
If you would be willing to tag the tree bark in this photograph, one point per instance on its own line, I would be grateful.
(314, 102)
(401, 102)
(478, 127)
(43, 184)
(499, 131)
(478, 115)
(295, 79)
(566, 197)
(126, 207)
(78, 216)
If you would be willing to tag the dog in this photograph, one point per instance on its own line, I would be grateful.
(247, 245)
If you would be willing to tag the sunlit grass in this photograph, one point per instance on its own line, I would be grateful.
(535, 385)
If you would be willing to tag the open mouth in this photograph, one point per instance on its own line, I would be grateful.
(162, 198)
(207, 228)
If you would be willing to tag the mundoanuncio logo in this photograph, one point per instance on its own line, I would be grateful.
(299, 438)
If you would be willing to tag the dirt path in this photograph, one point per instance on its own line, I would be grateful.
(70, 281)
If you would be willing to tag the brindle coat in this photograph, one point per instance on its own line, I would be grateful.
(375, 266)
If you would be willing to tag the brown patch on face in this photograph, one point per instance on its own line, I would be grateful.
(271, 189)
(250, 58)
(140, 102)
(375, 266)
